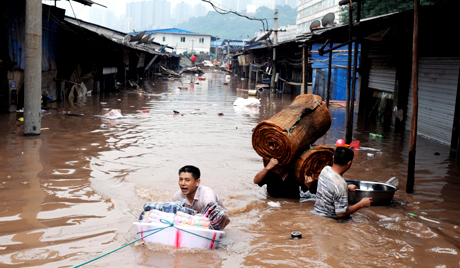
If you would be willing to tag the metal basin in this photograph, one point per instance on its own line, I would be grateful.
(381, 193)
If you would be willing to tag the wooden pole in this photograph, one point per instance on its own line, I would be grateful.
(413, 129)
(304, 69)
(329, 73)
(217, 50)
(347, 107)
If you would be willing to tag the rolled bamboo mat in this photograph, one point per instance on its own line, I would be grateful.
(291, 131)
(311, 162)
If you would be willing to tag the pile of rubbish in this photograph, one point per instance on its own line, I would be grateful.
(192, 70)
(251, 102)
(187, 70)
(113, 114)
(212, 217)
(170, 73)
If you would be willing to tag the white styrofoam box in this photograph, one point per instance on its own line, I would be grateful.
(174, 237)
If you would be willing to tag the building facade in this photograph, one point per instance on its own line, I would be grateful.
(310, 10)
(182, 40)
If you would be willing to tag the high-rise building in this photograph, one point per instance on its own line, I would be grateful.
(181, 12)
(267, 3)
(232, 5)
(310, 10)
(292, 3)
(148, 14)
(243, 5)
(134, 12)
(280, 2)
(162, 14)
(199, 10)
(103, 17)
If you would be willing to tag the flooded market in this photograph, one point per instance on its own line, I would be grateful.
(214, 133)
(73, 193)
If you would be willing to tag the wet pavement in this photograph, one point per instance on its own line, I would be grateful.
(72, 193)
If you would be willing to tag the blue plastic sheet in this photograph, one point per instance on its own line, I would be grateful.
(338, 74)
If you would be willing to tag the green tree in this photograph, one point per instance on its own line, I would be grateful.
(372, 8)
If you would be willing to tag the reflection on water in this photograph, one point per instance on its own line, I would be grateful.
(72, 194)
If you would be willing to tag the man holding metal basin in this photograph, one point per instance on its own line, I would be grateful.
(332, 192)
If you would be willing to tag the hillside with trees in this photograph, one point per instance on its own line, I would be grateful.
(231, 26)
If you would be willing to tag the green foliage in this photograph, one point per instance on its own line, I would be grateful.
(231, 26)
(372, 8)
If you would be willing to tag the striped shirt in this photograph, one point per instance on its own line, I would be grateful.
(332, 194)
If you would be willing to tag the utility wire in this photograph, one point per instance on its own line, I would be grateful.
(225, 12)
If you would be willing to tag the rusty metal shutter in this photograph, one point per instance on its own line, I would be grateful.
(382, 75)
(438, 83)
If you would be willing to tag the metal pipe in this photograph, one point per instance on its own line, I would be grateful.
(353, 86)
(329, 73)
(324, 45)
(274, 70)
(322, 52)
(413, 129)
(33, 68)
(347, 107)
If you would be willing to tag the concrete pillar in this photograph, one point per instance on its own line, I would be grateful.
(33, 68)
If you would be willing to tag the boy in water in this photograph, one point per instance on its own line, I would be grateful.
(332, 192)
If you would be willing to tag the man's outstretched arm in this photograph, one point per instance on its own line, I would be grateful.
(365, 202)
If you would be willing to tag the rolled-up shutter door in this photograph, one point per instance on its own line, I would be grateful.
(437, 83)
(382, 75)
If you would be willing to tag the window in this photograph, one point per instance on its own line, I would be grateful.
(201, 40)
(182, 39)
(164, 38)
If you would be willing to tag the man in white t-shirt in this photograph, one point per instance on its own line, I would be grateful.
(195, 196)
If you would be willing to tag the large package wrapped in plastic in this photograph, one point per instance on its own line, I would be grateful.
(217, 215)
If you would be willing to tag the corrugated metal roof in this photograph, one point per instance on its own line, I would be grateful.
(169, 30)
(116, 38)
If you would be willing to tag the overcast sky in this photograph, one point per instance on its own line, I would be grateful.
(117, 6)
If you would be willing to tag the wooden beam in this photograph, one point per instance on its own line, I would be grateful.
(413, 129)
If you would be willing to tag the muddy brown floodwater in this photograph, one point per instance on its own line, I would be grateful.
(72, 193)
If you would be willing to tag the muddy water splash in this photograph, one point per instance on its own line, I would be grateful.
(72, 193)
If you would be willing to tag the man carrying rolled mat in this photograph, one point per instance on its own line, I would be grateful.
(332, 192)
(195, 195)
(285, 186)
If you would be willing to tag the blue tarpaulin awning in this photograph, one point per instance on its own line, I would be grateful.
(320, 65)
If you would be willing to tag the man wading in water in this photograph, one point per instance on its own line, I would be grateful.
(285, 186)
(332, 192)
(195, 196)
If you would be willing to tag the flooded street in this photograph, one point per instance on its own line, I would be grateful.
(72, 193)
